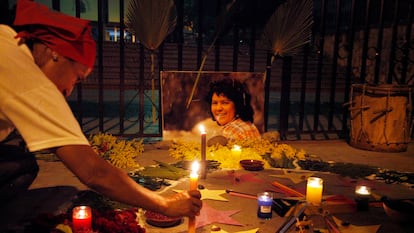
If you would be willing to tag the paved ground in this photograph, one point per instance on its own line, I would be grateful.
(55, 185)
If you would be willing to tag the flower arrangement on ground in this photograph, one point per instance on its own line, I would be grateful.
(273, 154)
(119, 152)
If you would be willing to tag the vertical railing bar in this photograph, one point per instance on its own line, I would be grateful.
(179, 31)
(285, 96)
(267, 89)
(217, 44)
(364, 54)
(303, 90)
(79, 85)
(217, 55)
(334, 65)
(252, 45)
(100, 64)
(121, 68)
(394, 33)
(348, 75)
(379, 44)
(200, 33)
(319, 69)
(56, 5)
(235, 47)
(141, 90)
(406, 48)
(160, 68)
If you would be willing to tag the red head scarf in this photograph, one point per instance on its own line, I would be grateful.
(69, 36)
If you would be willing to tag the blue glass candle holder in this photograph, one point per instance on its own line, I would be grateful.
(264, 202)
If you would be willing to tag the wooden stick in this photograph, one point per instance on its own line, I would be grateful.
(288, 190)
(239, 194)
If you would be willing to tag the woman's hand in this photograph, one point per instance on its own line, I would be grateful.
(187, 203)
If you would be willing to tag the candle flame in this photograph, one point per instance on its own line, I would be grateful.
(315, 181)
(202, 130)
(81, 212)
(363, 190)
(194, 167)
(236, 147)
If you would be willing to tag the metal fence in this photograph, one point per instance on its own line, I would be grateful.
(353, 41)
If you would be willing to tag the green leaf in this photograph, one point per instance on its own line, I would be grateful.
(160, 172)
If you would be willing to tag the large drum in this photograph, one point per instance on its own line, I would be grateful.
(381, 117)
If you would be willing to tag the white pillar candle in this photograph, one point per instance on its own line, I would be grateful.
(203, 152)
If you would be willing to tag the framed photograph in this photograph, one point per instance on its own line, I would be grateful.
(184, 112)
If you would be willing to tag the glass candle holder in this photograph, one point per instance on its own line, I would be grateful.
(236, 151)
(362, 195)
(82, 219)
(264, 202)
(314, 190)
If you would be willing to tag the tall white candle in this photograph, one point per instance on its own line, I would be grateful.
(203, 152)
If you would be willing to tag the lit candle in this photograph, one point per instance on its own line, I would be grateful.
(362, 193)
(236, 151)
(363, 190)
(314, 190)
(193, 186)
(82, 219)
(203, 152)
(264, 202)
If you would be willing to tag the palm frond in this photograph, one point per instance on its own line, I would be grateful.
(151, 20)
(289, 27)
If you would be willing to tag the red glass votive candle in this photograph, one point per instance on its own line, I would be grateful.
(82, 219)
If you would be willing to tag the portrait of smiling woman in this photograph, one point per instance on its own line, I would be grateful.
(230, 107)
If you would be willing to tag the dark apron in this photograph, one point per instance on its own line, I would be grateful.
(18, 168)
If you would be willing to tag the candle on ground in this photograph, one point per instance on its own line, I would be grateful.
(82, 219)
(236, 151)
(314, 190)
(193, 186)
(203, 152)
(264, 201)
(362, 194)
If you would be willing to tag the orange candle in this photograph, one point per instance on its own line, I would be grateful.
(82, 219)
(193, 186)
(314, 190)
